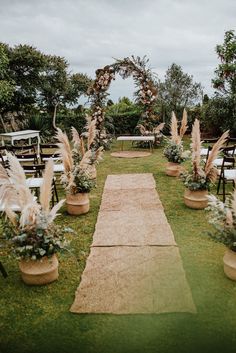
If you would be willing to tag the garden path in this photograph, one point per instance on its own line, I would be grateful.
(134, 265)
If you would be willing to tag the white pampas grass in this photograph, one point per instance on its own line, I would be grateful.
(46, 187)
(65, 150)
(174, 129)
(210, 170)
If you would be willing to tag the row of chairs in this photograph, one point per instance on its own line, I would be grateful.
(226, 165)
(34, 165)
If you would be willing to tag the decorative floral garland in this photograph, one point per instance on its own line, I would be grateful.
(146, 93)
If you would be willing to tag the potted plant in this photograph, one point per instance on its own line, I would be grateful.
(198, 180)
(223, 217)
(34, 237)
(77, 162)
(174, 151)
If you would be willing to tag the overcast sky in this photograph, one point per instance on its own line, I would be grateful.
(90, 33)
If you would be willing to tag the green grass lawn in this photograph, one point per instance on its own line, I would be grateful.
(37, 319)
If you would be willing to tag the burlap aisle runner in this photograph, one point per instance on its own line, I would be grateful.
(134, 265)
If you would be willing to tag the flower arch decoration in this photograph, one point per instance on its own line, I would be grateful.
(146, 93)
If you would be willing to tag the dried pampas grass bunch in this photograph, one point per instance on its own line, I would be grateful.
(14, 191)
(201, 177)
(175, 136)
(76, 158)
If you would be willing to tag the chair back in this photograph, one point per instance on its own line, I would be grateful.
(211, 140)
(24, 149)
(46, 156)
(34, 169)
(27, 157)
(47, 146)
(228, 150)
(231, 140)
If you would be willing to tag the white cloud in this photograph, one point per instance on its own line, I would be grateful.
(90, 33)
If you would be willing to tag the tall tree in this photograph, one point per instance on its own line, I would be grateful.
(225, 74)
(6, 83)
(26, 65)
(177, 91)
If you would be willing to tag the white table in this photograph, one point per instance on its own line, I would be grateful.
(149, 139)
(20, 135)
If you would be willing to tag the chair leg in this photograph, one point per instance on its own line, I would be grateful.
(55, 190)
(218, 186)
(223, 190)
(2, 270)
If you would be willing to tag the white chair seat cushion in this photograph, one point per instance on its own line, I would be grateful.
(204, 151)
(34, 182)
(58, 168)
(13, 207)
(230, 174)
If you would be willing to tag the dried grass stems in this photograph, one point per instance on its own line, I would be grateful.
(176, 136)
(209, 171)
(155, 130)
(14, 190)
(80, 156)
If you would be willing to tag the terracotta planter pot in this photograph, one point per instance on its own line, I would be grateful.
(174, 169)
(196, 199)
(39, 272)
(92, 172)
(229, 261)
(77, 204)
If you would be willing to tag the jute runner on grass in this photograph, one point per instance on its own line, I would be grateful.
(130, 154)
(134, 265)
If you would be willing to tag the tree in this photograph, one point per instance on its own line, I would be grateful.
(225, 74)
(54, 85)
(60, 88)
(26, 65)
(6, 84)
(78, 85)
(177, 92)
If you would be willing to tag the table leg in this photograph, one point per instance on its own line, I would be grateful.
(38, 145)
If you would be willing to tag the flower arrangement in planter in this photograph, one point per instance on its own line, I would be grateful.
(223, 218)
(34, 236)
(78, 177)
(174, 151)
(198, 180)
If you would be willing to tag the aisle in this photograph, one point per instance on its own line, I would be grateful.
(134, 265)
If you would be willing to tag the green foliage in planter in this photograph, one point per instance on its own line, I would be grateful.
(223, 218)
(193, 184)
(82, 182)
(34, 243)
(174, 152)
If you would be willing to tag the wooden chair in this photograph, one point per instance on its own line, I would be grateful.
(205, 150)
(227, 174)
(36, 180)
(227, 151)
(27, 157)
(24, 149)
(47, 146)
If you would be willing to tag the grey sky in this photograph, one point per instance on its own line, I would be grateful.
(90, 33)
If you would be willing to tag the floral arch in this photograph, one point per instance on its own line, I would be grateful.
(146, 93)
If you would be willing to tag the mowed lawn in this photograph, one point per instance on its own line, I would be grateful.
(37, 319)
